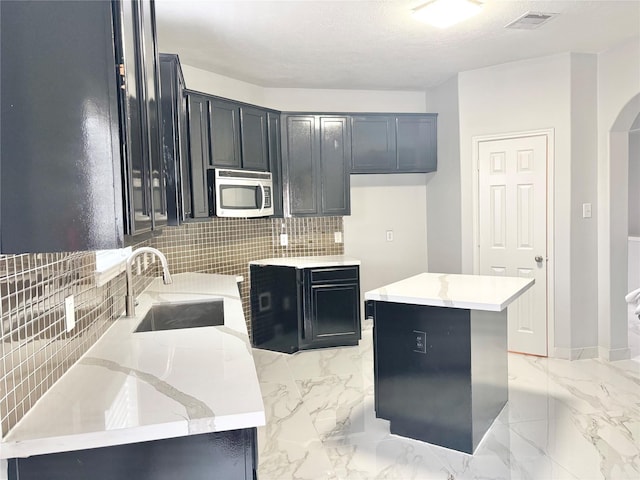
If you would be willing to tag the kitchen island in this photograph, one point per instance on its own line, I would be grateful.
(302, 303)
(440, 355)
(181, 403)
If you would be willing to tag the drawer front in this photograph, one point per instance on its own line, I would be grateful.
(338, 274)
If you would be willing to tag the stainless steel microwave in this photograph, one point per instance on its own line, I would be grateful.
(242, 193)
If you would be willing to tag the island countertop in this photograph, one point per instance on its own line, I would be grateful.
(309, 262)
(134, 387)
(474, 292)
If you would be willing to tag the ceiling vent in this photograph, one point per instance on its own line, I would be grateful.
(531, 20)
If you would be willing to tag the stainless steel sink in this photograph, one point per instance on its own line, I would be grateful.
(175, 315)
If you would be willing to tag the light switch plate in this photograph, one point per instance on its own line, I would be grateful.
(284, 239)
(69, 313)
(586, 210)
(337, 237)
(389, 235)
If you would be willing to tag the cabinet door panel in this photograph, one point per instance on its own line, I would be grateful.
(335, 143)
(148, 69)
(334, 311)
(302, 165)
(275, 161)
(416, 144)
(174, 135)
(373, 144)
(135, 151)
(225, 134)
(253, 131)
(60, 182)
(199, 154)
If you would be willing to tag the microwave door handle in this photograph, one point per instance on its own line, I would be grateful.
(262, 193)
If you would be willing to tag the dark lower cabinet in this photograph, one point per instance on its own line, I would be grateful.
(440, 374)
(298, 309)
(228, 455)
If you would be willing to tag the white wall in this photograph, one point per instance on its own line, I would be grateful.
(316, 100)
(443, 186)
(618, 106)
(214, 84)
(522, 96)
(584, 189)
(634, 183)
(302, 99)
(380, 203)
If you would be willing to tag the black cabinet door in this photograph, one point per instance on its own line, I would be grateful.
(253, 134)
(143, 166)
(315, 157)
(148, 67)
(174, 135)
(335, 150)
(225, 134)
(373, 147)
(331, 307)
(275, 161)
(224, 455)
(60, 187)
(416, 143)
(199, 153)
(300, 158)
(334, 314)
(136, 162)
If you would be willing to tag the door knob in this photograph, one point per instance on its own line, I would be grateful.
(539, 259)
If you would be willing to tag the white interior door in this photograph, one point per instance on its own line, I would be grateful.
(512, 230)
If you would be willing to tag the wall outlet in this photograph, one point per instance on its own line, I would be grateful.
(389, 235)
(284, 239)
(586, 210)
(69, 313)
(138, 265)
(337, 237)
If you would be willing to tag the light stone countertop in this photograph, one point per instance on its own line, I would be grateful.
(309, 262)
(474, 292)
(134, 387)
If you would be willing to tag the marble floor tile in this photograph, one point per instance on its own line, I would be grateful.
(564, 420)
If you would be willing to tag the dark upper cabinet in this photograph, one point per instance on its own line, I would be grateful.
(60, 187)
(373, 145)
(335, 149)
(238, 136)
(400, 143)
(199, 153)
(174, 139)
(254, 140)
(143, 167)
(315, 159)
(225, 134)
(301, 161)
(275, 161)
(416, 143)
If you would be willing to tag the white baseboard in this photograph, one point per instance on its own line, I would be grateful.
(575, 353)
(615, 354)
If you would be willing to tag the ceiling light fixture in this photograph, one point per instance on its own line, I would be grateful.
(444, 13)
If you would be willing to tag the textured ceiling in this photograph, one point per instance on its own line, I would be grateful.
(375, 44)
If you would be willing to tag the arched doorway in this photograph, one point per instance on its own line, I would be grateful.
(613, 322)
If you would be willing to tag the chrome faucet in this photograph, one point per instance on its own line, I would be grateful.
(166, 276)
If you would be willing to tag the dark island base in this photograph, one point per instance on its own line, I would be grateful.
(227, 455)
(440, 373)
